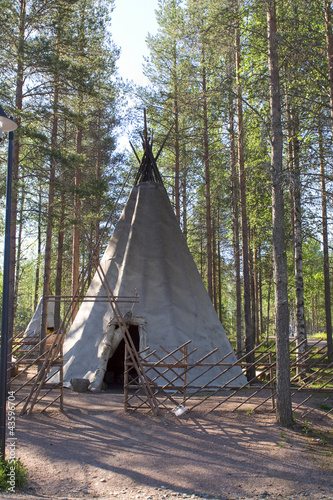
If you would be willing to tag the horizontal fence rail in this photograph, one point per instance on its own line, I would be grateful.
(174, 389)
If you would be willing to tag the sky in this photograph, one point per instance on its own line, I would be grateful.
(132, 20)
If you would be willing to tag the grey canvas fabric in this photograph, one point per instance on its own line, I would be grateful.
(32, 332)
(147, 255)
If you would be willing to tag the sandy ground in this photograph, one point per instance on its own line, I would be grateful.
(95, 450)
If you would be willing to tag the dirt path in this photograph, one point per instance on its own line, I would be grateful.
(95, 450)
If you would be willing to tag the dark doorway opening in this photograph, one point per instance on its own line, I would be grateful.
(114, 374)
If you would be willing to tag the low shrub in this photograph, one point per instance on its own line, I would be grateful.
(12, 475)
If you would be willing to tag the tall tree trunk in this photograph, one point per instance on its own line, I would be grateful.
(268, 307)
(252, 288)
(207, 184)
(214, 277)
(290, 165)
(15, 171)
(219, 272)
(176, 122)
(316, 312)
(58, 283)
(184, 201)
(284, 409)
(291, 193)
(235, 226)
(76, 229)
(328, 312)
(261, 316)
(98, 178)
(329, 44)
(249, 340)
(19, 246)
(39, 248)
(298, 247)
(77, 201)
(177, 157)
(312, 315)
(329, 48)
(256, 295)
(50, 214)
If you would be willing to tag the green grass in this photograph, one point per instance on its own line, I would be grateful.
(319, 335)
(319, 436)
(325, 407)
(281, 444)
(13, 475)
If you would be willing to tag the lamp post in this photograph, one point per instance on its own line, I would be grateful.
(6, 125)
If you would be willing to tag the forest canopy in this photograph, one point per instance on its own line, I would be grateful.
(210, 80)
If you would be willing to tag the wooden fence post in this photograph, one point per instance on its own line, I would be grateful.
(271, 376)
(126, 379)
(185, 372)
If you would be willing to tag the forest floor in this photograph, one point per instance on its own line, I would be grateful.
(96, 450)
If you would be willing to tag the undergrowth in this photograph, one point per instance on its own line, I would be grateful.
(13, 475)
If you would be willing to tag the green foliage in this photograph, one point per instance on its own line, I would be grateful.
(325, 407)
(67, 50)
(25, 302)
(314, 282)
(13, 475)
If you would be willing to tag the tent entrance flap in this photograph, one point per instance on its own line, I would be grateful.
(114, 373)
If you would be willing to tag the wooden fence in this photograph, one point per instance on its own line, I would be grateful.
(169, 373)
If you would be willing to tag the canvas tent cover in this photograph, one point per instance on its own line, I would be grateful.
(31, 335)
(147, 255)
